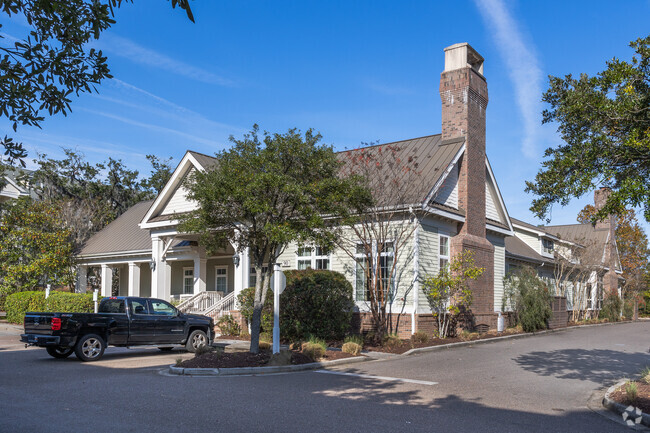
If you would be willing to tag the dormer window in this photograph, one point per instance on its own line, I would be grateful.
(548, 246)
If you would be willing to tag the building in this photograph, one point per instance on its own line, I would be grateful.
(456, 206)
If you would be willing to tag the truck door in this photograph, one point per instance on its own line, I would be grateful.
(170, 326)
(142, 329)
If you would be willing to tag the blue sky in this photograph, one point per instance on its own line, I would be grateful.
(355, 71)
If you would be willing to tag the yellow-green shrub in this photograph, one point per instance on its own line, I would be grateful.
(351, 348)
(313, 350)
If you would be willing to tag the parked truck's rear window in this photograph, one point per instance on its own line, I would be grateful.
(112, 306)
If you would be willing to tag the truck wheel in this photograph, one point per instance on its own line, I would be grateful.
(197, 340)
(59, 352)
(90, 347)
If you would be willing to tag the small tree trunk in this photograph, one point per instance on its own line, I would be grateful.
(255, 327)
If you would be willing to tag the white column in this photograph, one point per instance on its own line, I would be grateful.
(242, 272)
(107, 280)
(134, 279)
(416, 277)
(82, 279)
(161, 274)
(200, 274)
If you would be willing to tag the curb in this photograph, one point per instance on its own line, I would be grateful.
(181, 371)
(619, 408)
(503, 337)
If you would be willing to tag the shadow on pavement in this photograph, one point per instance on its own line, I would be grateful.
(596, 365)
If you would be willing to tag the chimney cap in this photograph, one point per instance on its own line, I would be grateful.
(462, 55)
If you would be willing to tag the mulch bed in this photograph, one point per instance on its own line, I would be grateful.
(642, 401)
(247, 359)
(407, 345)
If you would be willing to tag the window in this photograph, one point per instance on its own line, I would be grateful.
(386, 260)
(139, 306)
(188, 280)
(162, 308)
(589, 296)
(112, 306)
(360, 283)
(599, 293)
(547, 246)
(444, 252)
(252, 278)
(221, 279)
(313, 257)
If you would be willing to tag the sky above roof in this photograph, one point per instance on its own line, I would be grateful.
(361, 71)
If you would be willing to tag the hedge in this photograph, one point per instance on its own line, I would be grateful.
(19, 303)
(245, 300)
(316, 304)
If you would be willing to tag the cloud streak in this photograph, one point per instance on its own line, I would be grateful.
(138, 54)
(523, 67)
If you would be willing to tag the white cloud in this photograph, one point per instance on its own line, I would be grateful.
(136, 53)
(523, 68)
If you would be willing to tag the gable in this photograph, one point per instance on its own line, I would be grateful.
(178, 202)
(448, 193)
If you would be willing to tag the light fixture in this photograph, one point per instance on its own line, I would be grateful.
(235, 259)
(152, 264)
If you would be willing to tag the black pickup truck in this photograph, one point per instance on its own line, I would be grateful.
(121, 321)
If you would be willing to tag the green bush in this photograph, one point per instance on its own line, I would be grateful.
(612, 305)
(316, 303)
(420, 337)
(628, 309)
(529, 298)
(245, 300)
(228, 326)
(19, 303)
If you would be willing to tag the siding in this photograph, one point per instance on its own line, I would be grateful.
(179, 203)
(491, 211)
(448, 193)
(530, 240)
(499, 268)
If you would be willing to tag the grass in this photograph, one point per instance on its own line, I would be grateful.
(645, 375)
(356, 339)
(631, 391)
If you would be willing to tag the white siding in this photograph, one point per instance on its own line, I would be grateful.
(178, 202)
(491, 211)
(448, 192)
(499, 269)
(530, 239)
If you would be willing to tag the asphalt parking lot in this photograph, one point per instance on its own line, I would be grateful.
(542, 383)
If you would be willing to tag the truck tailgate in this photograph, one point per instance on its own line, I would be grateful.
(38, 323)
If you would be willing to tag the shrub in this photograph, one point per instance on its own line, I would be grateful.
(529, 298)
(391, 341)
(20, 303)
(631, 392)
(645, 375)
(264, 345)
(228, 326)
(318, 341)
(317, 303)
(420, 337)
(351, 348)
(245, 300)
(266, 337)
(612, 305)
(203, 350)
(357, 339)
(313, 350)
(628, 309)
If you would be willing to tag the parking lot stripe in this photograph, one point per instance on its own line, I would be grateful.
(384, 378)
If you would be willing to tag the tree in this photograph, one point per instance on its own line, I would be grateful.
(41, 72)
(35, 248)
(604, 122)
(448, 292)
(633, 251)
(529, 298)
(378, 239)
(90, 196)
(263, 194)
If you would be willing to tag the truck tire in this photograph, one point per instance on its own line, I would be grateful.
(90, 347)
(59, 352)
(196, 340)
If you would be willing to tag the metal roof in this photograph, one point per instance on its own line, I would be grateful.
(579, 233)
(518, 249)
(123, 234)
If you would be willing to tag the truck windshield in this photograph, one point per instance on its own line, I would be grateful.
(112, 306)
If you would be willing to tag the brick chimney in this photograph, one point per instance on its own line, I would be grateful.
(464, 96)
(610, 279)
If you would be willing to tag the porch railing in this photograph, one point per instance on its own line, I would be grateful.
(200, 303)
(222, 307)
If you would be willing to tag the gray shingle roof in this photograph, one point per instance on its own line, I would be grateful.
(205, 160)
(123, 234)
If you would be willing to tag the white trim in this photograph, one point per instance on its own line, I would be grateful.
(313, 257)
(416, 270)
(442, 178)
(172, 184)
(497, 229)
(443, 213)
